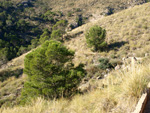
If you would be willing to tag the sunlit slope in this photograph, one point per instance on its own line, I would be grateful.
(118, 93)
(128, 33)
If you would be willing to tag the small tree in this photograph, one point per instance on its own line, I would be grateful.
(51, 73)
(95, 38)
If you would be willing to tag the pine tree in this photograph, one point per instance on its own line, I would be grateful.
(95, 38)
(51, 73)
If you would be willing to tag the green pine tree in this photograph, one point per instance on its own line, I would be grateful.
(95, 38)
(51, 73)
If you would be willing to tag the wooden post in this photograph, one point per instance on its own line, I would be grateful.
(143, 101)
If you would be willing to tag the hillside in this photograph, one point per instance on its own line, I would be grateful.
(128, 34)
(97, 8)
(118, 93)
(23, 22)
(90, 10)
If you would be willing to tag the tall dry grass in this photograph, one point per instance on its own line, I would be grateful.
(120, 92)
(127, 34)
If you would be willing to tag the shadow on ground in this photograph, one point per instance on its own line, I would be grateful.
(116, 45)
(9, 73)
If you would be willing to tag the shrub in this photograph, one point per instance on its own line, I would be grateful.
(57, 35)
(34, 44)
(60, 25)
(49, 16)
(80, 20)
(45, 36)
(105, 63)
(4, 75)
(4, 52)
(77, 9)
(95, 38)
(69, 14)
(59, 30)
(51, 73)
(22, 50)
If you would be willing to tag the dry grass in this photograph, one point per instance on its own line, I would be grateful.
(10, 91)
(91, 7)
(131, 26)
(119, 94)
(127, 34)
(16, 63)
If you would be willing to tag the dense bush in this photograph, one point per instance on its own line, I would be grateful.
(59, 30)
(60, 25)
(15, 32)
(57, 35)
(105, 63)
(21, 27)
(95, 38)
(51, 73)
(49, 16)
(45, 36)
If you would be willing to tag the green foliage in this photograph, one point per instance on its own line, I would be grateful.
(79, 20)
(3, 55)
(15, 31)
(105, 63)
(95, 38)
(147, 0)
(59, 30)
(45, 36)
(51, 73)
(77, 9)
(22, 50)
(49, 16)
(57, 35)
(69, 14)
(4, 75)
(60, 25)
(22, 25)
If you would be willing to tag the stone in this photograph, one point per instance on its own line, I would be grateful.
(117, 67)
(84, 87)
(105, 75)
(146, 54)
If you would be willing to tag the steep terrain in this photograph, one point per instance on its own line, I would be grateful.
(23, 22)
(92, 7)
(128, 34)
(89, 9)
(118, 93)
